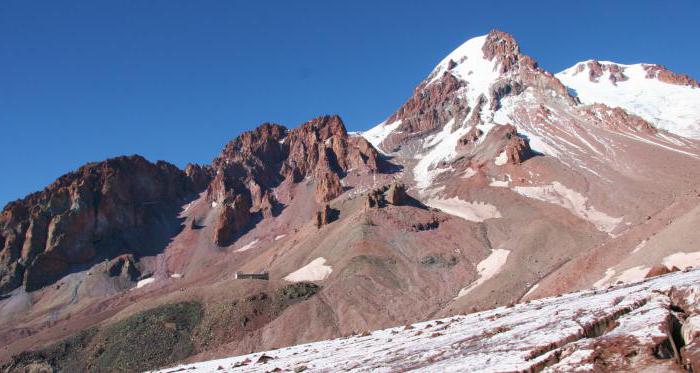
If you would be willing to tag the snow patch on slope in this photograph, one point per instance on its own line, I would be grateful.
(539, 140)
(471, 211)
(633, 274)
(668, 106)
(442, 147)
(469, 172)
(683, 260)
(605, 280)
(377, 134)
(501, 159)
(317, 270)
(247, 246)
(558, 194)
(145, 281)
(487, 268)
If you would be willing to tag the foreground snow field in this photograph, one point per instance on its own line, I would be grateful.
(634, 326)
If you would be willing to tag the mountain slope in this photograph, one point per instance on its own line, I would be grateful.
(547, 177)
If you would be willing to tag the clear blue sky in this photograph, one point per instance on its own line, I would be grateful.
(175, 80)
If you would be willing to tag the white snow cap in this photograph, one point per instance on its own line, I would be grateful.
(471, 66)
(675, 108)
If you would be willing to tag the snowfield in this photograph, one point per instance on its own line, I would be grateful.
(145, 281)
(377, 134)
(317, 270)
(472, 211)
(558, 194)
(563, 333)
(247, 246)
(487, 268)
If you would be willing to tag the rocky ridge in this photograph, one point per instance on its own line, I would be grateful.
(124, 205)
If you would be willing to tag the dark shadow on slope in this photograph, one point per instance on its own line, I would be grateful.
(386, 166)
(410, 201)
(533, 153)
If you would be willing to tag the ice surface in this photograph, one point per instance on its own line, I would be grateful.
(518, 338)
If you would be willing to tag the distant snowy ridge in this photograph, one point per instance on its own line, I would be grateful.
(672, 107)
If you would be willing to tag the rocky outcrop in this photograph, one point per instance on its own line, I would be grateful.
(443, 96)
(659, 270)
(375, 198)
(617, 118)
(124, 266)
(522, 69)
(328, 186)
(201, 176)
(517, 148)
(667, 76)
(475, 116)
(502, 89)
(269, 207)
(324, 216)
(104, 209)
(253, 164)
(596, 70)
(323, 145)
(231, 220)
(471, 137)
(431, 106)
(394, 194)
(617, 73)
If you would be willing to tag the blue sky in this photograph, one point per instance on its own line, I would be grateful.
(86, 80)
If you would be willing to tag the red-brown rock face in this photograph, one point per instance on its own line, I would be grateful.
(618, 118)
(396, 194)
(324, 216)
(121, 205)
(257, 161)
(232, 219)
(327, 186)
(200, 175)
(124, 266)
(596, 70)
(471, 137)
(430, 107)
(517, 148)
(617, 73)
(502, 47)
(667, 76)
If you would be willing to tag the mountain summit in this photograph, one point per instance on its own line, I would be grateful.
(495, 183)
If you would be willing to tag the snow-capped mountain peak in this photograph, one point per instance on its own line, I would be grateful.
(469, 64)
